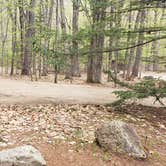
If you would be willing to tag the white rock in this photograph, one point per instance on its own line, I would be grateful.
(3, 144)
(21, 156)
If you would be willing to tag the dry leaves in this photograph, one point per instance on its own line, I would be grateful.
(53, 121)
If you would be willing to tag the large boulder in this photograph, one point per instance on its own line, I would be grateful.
(21, 156)
(119, 137)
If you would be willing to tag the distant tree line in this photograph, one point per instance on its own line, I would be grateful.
(42, 36)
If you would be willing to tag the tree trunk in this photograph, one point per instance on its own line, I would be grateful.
(155, 46)
(14, 40)
(55, 46)
(22, 28)
(138, 57)
(48, 22)
(64, 32)
(128, 41)
(95, 60)
(75, 69)
(28, 39)
(4, 37)
(132, 50)
(110, 44)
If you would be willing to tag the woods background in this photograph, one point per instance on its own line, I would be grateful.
(70, 37)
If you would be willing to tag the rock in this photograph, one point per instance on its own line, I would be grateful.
(2, 143)
(1, 140)
(21, 156)
(119, 137)
(148, 78)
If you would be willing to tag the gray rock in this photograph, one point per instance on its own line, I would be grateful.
(119, 137)
(148, 78)
(21, 156)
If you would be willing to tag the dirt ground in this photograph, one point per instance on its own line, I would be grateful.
(64, 134)
(60, 120)
(18, 91)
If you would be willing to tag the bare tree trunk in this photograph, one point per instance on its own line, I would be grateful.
(132, 50)
(4, 37)
(14, 40)
(56, 70)
(40, 31)
(75, 69)
(138, 57)
(48, 22)
(28, 39)
(7, 63)
(64, 32)
(110, 44)
(155, 46)
(22, 28)
(128, 41)
(95, 60)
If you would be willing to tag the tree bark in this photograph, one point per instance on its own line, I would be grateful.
(28, 39)
(95, 60)
(75, 69)
(48, 22)
(55, 46)
(138, 57)
(22, 28)
(110, 44)
(64, 32)
(14, 40)
(132, 50)
(155, 46)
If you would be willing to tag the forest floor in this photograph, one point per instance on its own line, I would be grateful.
(64, 134)
(60, 121)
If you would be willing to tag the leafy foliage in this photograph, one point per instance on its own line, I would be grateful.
(144, 89)
(149, 87)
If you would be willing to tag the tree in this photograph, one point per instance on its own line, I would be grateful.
(64, 35)
(82, 35)
(139, 48)
(29, 32)
(94, 71)
(75, 69)
(48, 13)
(14, 38)
(155, 46)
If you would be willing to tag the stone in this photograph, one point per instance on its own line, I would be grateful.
(2, 143)
(148, 78)
(119, 137)
(21, 156)
(2, 140)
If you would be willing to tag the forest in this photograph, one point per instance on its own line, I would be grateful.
(83, 80)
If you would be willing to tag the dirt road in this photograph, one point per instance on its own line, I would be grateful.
(26, 92)
(14, 91)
